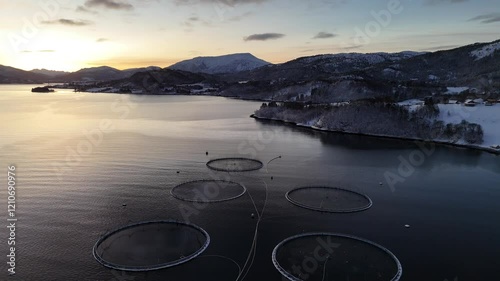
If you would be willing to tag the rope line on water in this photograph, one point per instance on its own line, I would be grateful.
(257, 227)
(253, 249)
(243, 272)
(278, 157)
(324, 268)
(254, 242)
(223, 257)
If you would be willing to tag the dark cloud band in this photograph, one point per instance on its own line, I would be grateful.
(108, 4)
(324, 35)
(488, 18)
(221, 2)
(264, 37)
(68, 22)
(436, 2)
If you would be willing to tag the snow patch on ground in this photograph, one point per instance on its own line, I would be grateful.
(456, 90)
(411, 102)
(485, 51)
(97, 90)
(486, 116)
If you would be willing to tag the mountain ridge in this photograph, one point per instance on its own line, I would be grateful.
(220, 64)
(469, 65)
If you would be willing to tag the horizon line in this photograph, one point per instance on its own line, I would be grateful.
(428, 50)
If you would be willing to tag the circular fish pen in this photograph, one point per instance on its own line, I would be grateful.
(151, 245)
(328, 199)
(208, 191)
(329, 256)
(235, 164)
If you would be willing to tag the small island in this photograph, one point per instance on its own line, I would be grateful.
(45, 89)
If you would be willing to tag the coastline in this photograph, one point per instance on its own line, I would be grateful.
(286, 122)
(437, 142)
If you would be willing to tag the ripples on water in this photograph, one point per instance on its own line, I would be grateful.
(67, 200)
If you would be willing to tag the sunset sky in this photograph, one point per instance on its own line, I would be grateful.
(73, 34)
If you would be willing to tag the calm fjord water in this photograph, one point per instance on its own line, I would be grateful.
(69, 193)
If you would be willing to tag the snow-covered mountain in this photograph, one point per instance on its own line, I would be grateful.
(340, 77)
(486, 51)
(321, 66)
(358, 59)
(131, 71)
(50, 73)
(220, 64)
(473, 65)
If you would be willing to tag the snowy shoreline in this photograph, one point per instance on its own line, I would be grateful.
(444, 143)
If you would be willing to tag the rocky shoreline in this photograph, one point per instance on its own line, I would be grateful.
(437, 142)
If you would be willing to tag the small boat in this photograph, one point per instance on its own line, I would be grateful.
(45, 89)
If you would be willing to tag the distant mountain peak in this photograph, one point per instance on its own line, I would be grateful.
(220, 64)
(50, 73)
(227, 56)
(97, 68)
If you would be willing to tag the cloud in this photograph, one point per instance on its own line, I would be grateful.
(68, 22)
(82, 9)
(134, 62)
(193, 21)
(324, 35)
(240, 17)
(100, 40)
(437, 2)
(109, 4)
(39, 51)
(328, 50)
(487, 18)
(264, 37)
(349, 48)
(230, 3)
(440, 48)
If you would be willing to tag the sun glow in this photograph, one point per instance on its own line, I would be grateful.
(62, 51)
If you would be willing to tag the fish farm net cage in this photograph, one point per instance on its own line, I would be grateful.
(151, 245)
(235, 164)
(208, 191)
(329, 256)
(328, 199)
